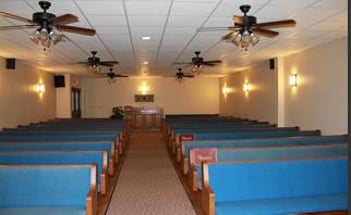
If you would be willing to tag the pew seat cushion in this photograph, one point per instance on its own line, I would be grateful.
(43, 211)
(283, 206)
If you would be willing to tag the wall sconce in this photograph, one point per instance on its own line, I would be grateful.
(246, 87)
(41, 88)
(226, 90)
(144, 89)
(293, 80)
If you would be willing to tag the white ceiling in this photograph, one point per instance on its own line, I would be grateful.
(172, 25)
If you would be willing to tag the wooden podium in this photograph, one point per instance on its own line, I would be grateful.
(145, 118)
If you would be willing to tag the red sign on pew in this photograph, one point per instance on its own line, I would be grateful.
(186, 137)
(205, 154)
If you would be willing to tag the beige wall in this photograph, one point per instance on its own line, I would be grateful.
(318, 102)
(20, 102)
(193, 96)
(63, 99)
(320, 99)
(260, 102)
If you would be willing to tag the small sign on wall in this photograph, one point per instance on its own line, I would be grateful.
(144, 98)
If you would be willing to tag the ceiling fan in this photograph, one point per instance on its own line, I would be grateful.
(112, 75)
(181, 75)
(245, 28)
(49, 26)
(93, 63)
(198, 61)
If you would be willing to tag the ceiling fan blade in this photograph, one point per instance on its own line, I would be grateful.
(278, 24)
(212, 61)
(17, 27)
(217, 28)
(18, 18)
(188, 76)
(121, 76)
(238, 20)
(63, 19)
(230, 35)
(265, 32)
(109, 62)
(76, 30)
(181, 63)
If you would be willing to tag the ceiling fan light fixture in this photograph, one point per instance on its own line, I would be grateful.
(94, 69)
(245, 39)
(46, 37)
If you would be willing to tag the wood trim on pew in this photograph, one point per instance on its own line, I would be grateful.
(103, 176)
(207, 195)
(91, 199)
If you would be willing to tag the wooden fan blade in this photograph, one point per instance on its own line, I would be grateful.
(76, 30)
(217, 28)
(212, 61)
(181, 63)
(265, 32)
(109, 62)
(230, 35)
(18, 18)
(238, 20)
(188, 76)
(121, 76)
(278, 24)
(17, 27)
(63, 19)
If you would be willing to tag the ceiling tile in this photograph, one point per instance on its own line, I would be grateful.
(157, 8)
(101, 7)
(192, 8)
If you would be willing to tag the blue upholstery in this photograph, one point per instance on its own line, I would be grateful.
(43, 211)
(283, 206)
(62, 146)
(250, 135)
(265, 153)
(263, 142)
(317, 184)
(44, 186)
(230, 129)
(55, 157)
(58, 137)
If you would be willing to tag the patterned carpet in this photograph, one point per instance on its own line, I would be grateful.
(148, 183)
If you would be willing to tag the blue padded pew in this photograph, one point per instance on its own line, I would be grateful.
(211, 128)
(64, 146)
(62, 138)
(283, 141)
(59, 158)
(48, 189)
(214, 155)
(178, 135)
(72, 135)
(275, 187)
(244, 135)
(171, 127)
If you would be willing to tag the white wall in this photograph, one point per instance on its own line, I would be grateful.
(20, 102)
(193, 96)
(260, 102)
(320, 99)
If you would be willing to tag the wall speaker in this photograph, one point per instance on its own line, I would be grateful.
(10, 63)
(271, 63)
(59, 81)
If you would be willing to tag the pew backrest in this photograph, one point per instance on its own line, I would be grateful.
(100, 158)
(48, 186)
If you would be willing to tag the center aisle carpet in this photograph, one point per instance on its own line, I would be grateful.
(148, 183)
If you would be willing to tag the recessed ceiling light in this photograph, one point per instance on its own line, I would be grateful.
(146, 38)
(145, 62)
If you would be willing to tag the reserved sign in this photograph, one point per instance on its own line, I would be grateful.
(205, 154)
